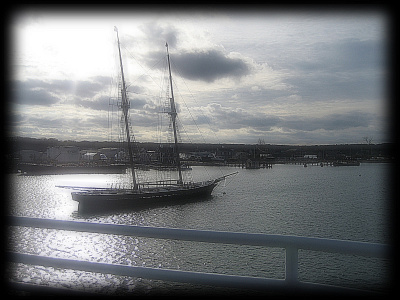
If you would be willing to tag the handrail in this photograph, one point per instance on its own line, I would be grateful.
(223, 280)
(290, 243)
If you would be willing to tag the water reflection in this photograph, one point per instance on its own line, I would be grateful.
(322, 202)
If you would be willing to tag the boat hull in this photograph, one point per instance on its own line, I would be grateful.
(116, 199)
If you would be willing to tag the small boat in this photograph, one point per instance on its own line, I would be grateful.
(146, 193)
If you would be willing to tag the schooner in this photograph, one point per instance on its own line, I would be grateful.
(141, 195)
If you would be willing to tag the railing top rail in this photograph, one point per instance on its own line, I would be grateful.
(223, 237)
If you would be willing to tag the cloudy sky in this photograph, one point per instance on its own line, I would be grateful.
(284, 77)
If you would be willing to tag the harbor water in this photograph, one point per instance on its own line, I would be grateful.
(348, 203)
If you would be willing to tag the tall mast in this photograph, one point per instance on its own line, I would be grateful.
(125, 111)
(173, 115)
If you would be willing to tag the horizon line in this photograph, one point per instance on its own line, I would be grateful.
(201, 143)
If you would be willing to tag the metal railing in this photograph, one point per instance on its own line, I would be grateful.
(291, 244)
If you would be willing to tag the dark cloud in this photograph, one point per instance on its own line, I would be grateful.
(63, 126)
(87, 93)
(209, 65)
(25, 96)
(85, 88)
(47, 93)
(137, 103)
(260, 121)
(330, 122)
(48, 123)
(91, 88)
(101, 103)
(227, 118)
(237, 119)
(16, 119)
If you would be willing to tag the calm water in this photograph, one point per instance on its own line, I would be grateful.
(349, 203)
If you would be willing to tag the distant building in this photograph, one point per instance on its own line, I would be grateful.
(91, 156)
(265, 156)
(63, 154)
(201, 156)
(311, 156)
(110, 153)
(120, 156)
(241, 155)
(224, 153)
(30, 156)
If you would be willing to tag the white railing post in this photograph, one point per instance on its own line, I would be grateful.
(292, 262)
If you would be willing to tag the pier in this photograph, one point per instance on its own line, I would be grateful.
(250, 165)
(310, 163)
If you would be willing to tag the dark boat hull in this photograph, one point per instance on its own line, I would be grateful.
(115, 199)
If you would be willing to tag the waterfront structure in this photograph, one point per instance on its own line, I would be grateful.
(63, 154)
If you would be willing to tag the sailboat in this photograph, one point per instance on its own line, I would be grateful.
(149, 193)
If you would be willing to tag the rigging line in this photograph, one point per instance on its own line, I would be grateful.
(191, 94)
(163, 95)
(108, 116)
(109, 122)
(184, 130)
(110, 101)
(190, 113)
(198, 129)
(232, 177)
(160, 107)
(113, 100)
(194, 121)
(147, 71)
(112, 90)
(190, 141)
